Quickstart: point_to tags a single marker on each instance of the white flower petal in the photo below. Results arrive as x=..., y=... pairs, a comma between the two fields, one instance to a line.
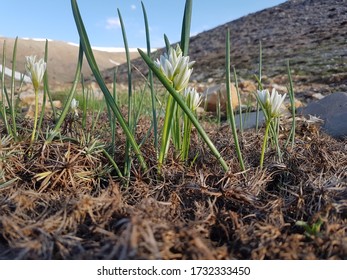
x=175, y=67
x=36, y=70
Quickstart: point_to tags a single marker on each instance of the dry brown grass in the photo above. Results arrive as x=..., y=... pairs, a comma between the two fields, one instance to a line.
x=67, y=203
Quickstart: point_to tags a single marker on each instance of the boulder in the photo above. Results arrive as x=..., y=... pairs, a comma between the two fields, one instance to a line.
x=248, y=86
x=218, y=93
x=332, y=109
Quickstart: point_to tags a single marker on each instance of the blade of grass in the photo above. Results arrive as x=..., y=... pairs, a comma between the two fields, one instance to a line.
x=218, y=109
x=177, y=97
x=46, y=89
x=131, y=122
x=176, y=128
x=4, y=92
x=150, y=78
x=94, y=67
x=66, y=107
x=167, y=43
x=114, y=164
x=185, y=34
x=259, y=82
x=292, y=104
x=113, y=120
x=239, y=99
x=139, y=104
x=85, y=96
x=229, y=103
x=166, y=131
x=45, y=80
x=13, y=105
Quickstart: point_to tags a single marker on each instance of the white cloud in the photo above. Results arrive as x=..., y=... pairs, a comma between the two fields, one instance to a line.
x=133, y=7
x=112, y=23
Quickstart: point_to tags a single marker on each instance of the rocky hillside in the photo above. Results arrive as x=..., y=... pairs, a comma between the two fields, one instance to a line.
x=312, y=34
x=62, y=58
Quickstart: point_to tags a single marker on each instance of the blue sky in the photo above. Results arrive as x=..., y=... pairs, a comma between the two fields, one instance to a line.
x=54, y=20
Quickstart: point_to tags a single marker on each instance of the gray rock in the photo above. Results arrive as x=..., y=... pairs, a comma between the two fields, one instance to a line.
x=249, y=120
x=333, y=111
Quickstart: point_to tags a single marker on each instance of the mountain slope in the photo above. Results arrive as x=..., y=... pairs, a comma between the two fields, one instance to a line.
x=311, y=34
x=62, y=58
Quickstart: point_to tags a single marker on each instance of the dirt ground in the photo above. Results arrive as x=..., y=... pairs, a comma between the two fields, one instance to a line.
x=64, y=200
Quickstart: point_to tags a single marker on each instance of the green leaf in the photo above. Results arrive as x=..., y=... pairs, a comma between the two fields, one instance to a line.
x=131, y=122
x=150, y=78
x=12, y=107
x=185, y=34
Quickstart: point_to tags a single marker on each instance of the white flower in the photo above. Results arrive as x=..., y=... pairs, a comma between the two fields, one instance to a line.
x=74, y=105
x=176, y=67
x=192, y=97
x=36, y=70
x=271, y=102
x=276, y=101
x=264, y=96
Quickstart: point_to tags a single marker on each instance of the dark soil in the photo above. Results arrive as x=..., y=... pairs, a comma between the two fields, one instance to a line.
x=66, y=202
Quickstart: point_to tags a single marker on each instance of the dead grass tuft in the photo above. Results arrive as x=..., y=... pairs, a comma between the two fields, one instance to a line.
x=63, y=201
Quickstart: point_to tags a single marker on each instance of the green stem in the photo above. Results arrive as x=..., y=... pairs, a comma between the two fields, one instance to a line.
x=292, y=104
x=45, y=90
x=264, y=143
x=239, y=99
x=131, y=122
x=36, y=115
x=166, y=130
x=4, y=92
x=229, y=104
x=186, y=138
x=176, y=128
x=150, y=78
x=185, y=34
x=12, y=107
x=259, y=82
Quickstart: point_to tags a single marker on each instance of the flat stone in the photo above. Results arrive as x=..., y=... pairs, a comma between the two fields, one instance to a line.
x=332, y=109
x=249, y=120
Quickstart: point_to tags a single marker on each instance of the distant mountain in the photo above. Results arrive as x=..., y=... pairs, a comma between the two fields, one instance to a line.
x=311, y=34
x=62, y=58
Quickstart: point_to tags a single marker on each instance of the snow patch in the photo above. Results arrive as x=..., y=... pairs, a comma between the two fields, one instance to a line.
x=114, y=62
x=111, y=49
x=17, y=75
x=37, y=39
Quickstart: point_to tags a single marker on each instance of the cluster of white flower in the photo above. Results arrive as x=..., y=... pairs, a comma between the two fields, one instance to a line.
x=272, y=102
x=192, y=97
x=35, y=69
x=74, y=106
x=177, y=68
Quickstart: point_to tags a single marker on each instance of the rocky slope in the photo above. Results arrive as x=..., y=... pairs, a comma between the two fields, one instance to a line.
x=311, y=34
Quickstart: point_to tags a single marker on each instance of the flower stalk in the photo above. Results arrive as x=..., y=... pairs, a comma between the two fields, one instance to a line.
x=176, y=68
x=178, y=98
x=36, y=71
x=193, y=100
x=271, y=105
x=266, y=136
